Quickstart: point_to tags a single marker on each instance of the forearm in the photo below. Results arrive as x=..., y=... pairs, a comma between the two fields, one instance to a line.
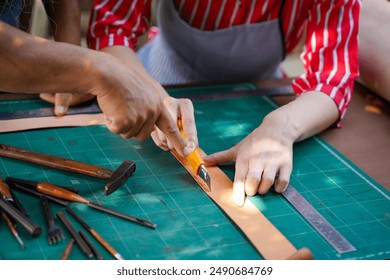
x=308, y=115
x=129, y=58
x=31, y=64
x=65, y=17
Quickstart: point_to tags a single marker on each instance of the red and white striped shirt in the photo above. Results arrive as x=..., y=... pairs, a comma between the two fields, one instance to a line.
x=330, y=55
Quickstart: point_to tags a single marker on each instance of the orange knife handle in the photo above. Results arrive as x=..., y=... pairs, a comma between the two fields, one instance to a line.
x=59, y=192
x=194, y=159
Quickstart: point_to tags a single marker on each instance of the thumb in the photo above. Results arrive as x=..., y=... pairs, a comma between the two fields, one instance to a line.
x=61, y=103
x=169, y=126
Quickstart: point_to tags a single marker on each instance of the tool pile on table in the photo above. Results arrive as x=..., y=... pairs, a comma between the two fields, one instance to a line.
x=16, y=216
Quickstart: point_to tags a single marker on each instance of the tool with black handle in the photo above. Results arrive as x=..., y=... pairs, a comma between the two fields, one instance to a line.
x=6, y=193
x=115, y=178
x=18, y=184
x=21, y=219
x=97, y=236
x=80, y=241
x=88, y=241
x=54, y=233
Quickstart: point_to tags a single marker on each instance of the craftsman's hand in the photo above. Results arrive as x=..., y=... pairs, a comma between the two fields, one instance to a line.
x=141, y=104
x=263, y=159
x=183, y=109
x=133, y=104
x=62, y=101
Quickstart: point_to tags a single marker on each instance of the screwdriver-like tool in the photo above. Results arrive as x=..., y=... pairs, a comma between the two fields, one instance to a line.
x=196, y=161
x=56, y=191
x=97, y=236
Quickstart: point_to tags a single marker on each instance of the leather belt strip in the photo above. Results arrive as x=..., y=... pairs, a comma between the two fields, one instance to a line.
x=46, y=122
x=263, y=235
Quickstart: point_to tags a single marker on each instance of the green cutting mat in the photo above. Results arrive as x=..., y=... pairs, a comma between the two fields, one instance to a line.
x=190, y=225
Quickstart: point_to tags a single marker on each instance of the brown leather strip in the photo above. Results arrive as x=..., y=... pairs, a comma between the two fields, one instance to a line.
x=263, y=235
x=45, y=122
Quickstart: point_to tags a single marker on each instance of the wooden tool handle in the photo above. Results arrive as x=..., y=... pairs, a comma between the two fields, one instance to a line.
x=4, y=189
x=195, y=159
x=55, y=162
x=68, y=249
x=59, y=192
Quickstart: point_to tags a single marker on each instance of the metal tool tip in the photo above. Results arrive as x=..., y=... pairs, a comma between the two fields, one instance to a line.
x=21, y=242
x=204, y=174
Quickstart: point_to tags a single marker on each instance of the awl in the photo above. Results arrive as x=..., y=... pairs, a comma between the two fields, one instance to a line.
x=58, y=192
x=195, y=159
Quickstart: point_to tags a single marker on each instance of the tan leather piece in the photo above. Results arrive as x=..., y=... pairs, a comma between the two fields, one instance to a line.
x=263, y=235
x=45, y=122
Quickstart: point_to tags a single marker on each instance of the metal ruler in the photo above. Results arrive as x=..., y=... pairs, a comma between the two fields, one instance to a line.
x=238, y=93
x=93, y=107
x=318, y=221
x=89, y=107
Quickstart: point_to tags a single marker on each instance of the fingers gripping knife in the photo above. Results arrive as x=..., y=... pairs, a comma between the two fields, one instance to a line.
x=114, y=178
x=196, y=161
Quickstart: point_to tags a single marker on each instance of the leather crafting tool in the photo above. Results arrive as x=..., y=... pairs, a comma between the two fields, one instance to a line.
x=54, y=233
x=28, y=187
x=114, y=178
x=7, y=195
x=33, y=184
x=68, y=249
x=4, y=191
x=97, y=236
x=56, y=191
x=12, y=229
x=68, y=225
x=95, y=251
x=21, y=219
x=195, y=159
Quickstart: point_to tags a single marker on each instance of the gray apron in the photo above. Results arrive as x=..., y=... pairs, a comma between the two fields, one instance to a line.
x=182, y=54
